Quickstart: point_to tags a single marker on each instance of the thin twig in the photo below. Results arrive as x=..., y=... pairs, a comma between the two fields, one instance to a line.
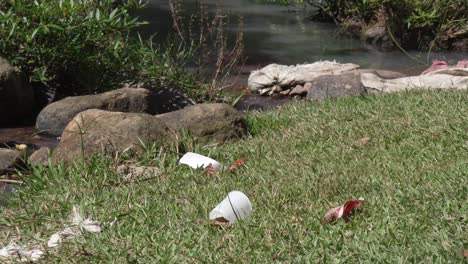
x=11, y=181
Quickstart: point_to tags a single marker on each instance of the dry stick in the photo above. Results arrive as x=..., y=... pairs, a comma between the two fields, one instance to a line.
x=11, y=181
x=175, y=18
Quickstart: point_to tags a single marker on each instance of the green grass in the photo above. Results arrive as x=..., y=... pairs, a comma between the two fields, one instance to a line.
x=301, y=160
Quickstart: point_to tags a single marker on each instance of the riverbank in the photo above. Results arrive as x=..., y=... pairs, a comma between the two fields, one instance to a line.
x=409, y=25
x=405, y=153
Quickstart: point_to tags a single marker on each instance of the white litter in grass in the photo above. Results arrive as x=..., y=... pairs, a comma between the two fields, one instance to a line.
x=196, y=161
x=236, y=206
x=87, y=224
x=60, y=236
x=23, y=254
x=33, y=253
x=79, y=225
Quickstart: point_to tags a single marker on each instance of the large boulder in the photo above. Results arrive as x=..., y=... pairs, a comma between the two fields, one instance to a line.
x=16, y=95
x=53, y=118
x=97, y=131
x=331, y=86
x=209, y=123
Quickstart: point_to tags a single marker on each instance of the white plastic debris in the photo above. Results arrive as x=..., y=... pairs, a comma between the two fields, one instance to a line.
x=236, y=206
x=60, y=236
x=196, y=161
x=23, y=254
x=78, y=226
x=87, y=224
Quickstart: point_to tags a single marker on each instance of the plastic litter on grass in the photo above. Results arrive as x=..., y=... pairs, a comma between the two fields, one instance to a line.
x=342, y=211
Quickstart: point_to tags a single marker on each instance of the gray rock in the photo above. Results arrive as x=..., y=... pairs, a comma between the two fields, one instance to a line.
x=276, y=89
x=97, y=131
x=131, y=171
x=40, y=157
x=53, y=118
x=208, y=123
x=8, y=159
x=461, y=45
x=298, y=90
x=376, y=34
x=336, y=86
x=384, y=74
x=285, y=92
x=16, y=95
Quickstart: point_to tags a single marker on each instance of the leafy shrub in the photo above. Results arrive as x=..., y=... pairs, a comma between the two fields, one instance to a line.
x=82, y=46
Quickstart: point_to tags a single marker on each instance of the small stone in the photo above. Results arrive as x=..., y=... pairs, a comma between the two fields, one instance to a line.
x=8, y=159
x=285, y=92
x=270, y=93
x=298, y=90
x=276, y=89
x=308, y=85
x=264, y=91
x=40, y=157
x=129, y=172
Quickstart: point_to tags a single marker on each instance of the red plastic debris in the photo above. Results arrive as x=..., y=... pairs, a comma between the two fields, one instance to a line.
x=237, y=163
x=438, y=65
x=341, y=211
x=209, y=169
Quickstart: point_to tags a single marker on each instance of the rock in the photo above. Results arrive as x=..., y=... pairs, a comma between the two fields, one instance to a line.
x=285, y=92
x=384, y=74
x=16, y=95
x=276, y=89
x=353, y=27
x=209, y=123
x=256, y=102
x=40, y=157
x=377, y=35
x=307, y=85
x=97, y=131
x=298, y=90
x=264, y=91
x=8, y=159
x=460, y=45
x=270, y=93
x=289, y=76
x=130, y=172
x=53, y=118
x=336, y=86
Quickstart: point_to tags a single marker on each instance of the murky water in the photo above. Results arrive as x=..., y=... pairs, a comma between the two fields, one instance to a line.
x=25, y=135
x=274, y=34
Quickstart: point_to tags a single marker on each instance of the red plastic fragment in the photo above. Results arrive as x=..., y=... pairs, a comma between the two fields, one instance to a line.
x=237, y=163
x=341, y=211
x=209, y=169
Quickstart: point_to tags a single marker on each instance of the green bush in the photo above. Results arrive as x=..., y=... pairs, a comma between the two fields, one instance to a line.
x=81, y=46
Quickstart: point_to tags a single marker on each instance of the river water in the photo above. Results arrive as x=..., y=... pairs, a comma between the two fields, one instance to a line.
x=277, y=34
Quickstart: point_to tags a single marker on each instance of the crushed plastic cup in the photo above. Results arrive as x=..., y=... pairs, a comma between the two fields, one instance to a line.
x=236, y=206
x=196, y=161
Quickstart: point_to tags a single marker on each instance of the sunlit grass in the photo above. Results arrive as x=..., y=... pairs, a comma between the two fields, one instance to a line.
x=301, y=160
